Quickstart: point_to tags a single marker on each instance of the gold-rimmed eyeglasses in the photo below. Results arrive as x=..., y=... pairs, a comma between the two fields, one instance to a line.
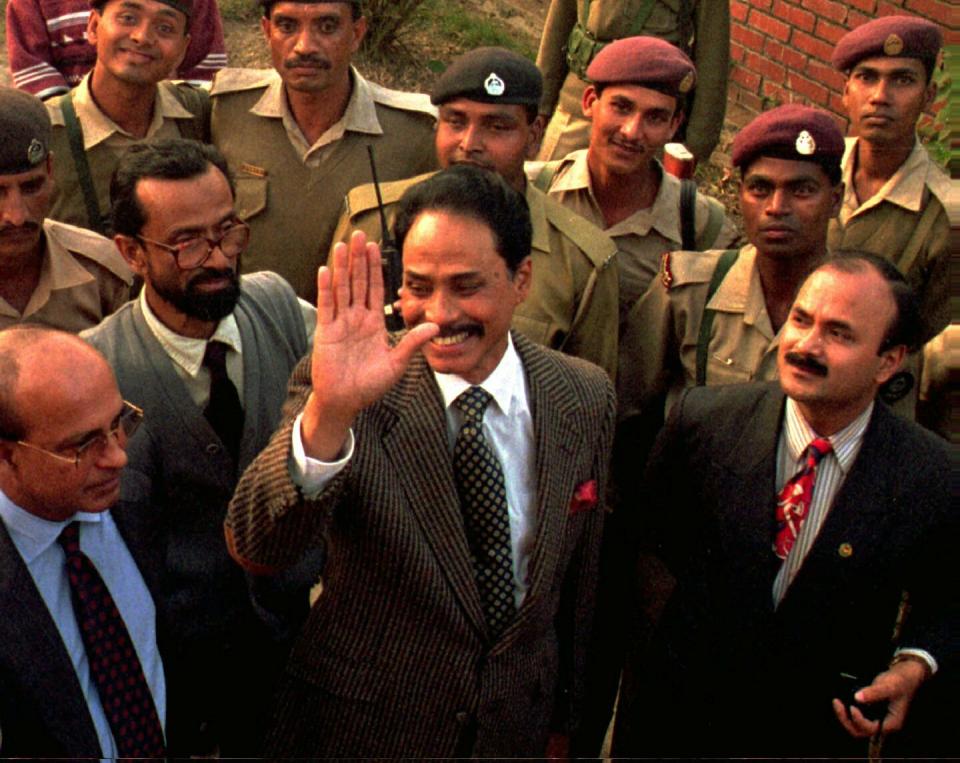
x=193, y=252
x=91, y=450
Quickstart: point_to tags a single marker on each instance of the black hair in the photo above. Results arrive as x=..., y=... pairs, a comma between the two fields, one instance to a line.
x=477, y=193
x=173, y=159
x=98, y=6
x=906, y=326
x=356, y=11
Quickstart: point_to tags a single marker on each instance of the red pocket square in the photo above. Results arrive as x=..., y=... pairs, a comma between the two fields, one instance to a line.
x=584, y=497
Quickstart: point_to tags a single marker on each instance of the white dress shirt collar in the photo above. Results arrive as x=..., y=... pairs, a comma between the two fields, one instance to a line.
x=185, y=351
x=846, y=442
x=505, y=383
x=32, y=535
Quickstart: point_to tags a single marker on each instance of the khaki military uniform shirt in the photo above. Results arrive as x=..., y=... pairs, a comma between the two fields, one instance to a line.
x=642, y=238
x=572, y=304
x=664, y=326
x=291, y=193
x=905, y=222
x=82, y=280
x=104, y=142
x=611, y=20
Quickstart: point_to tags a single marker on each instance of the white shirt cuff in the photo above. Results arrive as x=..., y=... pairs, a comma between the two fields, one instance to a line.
x=923, y=655
x=310, y=474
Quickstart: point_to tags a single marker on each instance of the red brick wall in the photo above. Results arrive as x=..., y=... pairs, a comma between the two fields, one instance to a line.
x=780, y=49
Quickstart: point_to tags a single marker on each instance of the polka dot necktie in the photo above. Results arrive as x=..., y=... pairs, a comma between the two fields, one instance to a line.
x=114, y=665
x=483, y=499
x=793, y=503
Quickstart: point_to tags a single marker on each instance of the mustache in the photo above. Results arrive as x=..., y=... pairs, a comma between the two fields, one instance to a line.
x=806, y=363
x=317, y=61
x=25, y=228
x=213, y=274
x=461, y=328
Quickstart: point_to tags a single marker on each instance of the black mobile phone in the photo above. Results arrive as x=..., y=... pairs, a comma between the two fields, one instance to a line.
x=847, y=686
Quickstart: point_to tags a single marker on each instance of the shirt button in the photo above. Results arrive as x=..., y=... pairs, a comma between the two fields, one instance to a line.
x=213, y=448
x=462, y=717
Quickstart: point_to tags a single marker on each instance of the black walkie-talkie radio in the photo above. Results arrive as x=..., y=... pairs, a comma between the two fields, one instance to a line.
x=389, y=257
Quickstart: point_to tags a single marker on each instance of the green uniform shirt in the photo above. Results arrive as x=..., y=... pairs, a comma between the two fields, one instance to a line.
x=611, y=20
x=905, y=222
x=572, y=304
x=290, y=193
x=179, y=112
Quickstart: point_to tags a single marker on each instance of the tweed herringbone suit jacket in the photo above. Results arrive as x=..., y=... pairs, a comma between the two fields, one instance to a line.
x=759, y=680
x=395, y=658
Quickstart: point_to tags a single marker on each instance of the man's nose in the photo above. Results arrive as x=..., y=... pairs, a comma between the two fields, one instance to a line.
x=14, y=209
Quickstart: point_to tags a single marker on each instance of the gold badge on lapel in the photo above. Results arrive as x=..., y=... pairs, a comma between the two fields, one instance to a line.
x=845, y=550
x=893, y=45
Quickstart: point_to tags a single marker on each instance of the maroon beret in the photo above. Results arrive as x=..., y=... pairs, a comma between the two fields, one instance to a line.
x=647, y=61
x=184, y=6
x=793, y=131
x=896, y=36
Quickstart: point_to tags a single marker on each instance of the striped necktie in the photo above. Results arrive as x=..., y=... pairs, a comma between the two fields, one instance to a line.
x=793, y=503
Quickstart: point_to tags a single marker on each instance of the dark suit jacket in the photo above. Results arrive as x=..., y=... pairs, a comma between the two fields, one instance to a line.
x=727, y=674
x=42, y=708
x=395, y=657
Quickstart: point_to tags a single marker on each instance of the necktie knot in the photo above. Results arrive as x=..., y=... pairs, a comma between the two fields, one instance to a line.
x=69, y=538
x=817, y=450
x=215, y=359
x=472, y=403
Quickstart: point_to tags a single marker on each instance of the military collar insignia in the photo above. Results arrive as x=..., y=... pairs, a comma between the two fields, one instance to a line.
x=805, y=145
x=494, y=86
x=686, y=83
x=35, y=152
x=893, y=45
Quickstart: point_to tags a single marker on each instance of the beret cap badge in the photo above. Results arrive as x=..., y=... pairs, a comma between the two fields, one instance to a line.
x=686, y=83
x=35, y=152
x=893, y=45
x=806, y=145
x=493, y=85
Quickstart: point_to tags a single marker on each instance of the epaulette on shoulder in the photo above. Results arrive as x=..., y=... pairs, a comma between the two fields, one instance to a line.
x=403, y=100
x=55, y=111
x=587, y=237
x=363, y=198
x=681, y=268
x=90, y=245
x=235, y=80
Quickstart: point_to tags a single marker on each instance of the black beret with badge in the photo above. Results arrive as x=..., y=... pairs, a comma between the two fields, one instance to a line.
x=793, y=131
x=645, y=61
x=25, y=127
x=490, y=75
x=890, y=36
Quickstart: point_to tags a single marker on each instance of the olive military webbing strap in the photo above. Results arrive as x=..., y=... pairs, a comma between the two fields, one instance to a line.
x=546, y=175
x=715, y=218
x=197, y=102
x=643, y=14
x=706, y=322
x=583, y=45
x=688, y=214
x=95, y=219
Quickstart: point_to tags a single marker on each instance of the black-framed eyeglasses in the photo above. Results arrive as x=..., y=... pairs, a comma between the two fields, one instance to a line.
x=92, y=450
x=193, y=252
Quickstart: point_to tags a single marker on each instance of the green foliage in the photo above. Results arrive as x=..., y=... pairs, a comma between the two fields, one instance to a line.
x=935, y=131
x=385, y=22
x=468, y=31
x=239, y=10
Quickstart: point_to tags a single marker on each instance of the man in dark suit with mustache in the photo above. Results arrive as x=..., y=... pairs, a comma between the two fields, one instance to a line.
x=807, y=532
x=457, y=480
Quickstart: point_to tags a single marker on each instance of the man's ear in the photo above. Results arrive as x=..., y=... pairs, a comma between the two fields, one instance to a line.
x=93, y=21
x=535, y=137
x=132, y=252
x=590, y=97
x=265, y=28
x=930, y=95
x=359, y=32
x=837, y=199
x=522, y=277
x=890, y=362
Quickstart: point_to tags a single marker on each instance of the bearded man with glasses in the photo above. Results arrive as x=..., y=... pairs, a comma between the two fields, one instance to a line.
x=64, y=546
x=206, y=353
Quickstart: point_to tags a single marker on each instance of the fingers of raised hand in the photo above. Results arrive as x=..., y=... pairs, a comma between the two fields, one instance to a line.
x=853, y=721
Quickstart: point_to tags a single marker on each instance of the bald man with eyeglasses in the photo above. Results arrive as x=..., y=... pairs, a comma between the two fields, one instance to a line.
x=206, y=353
x=64, y=429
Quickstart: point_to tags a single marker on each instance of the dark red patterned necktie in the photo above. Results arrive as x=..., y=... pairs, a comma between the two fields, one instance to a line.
x=793, y=503
x=114, y=664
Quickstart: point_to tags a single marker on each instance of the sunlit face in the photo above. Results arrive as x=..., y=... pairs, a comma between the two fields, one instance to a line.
x=67, y=407
x=453, y=276
x=828, y=357
x=630, y=124
x=175, y=211
x=311, y=44
x=885, y=97
x=24, y=203
x=139, y=42
x=496, y=137
x=787, y=206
